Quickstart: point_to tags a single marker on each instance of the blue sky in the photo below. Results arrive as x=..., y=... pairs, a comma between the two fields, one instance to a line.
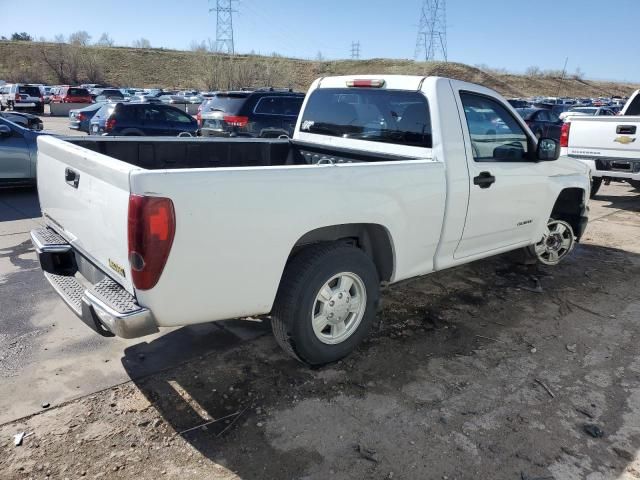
x=598, y=36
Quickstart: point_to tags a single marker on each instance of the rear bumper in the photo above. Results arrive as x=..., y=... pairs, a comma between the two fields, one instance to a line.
x=105, y=306
x=623, y=169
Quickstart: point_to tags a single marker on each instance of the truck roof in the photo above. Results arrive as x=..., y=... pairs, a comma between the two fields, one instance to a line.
x=393, y=82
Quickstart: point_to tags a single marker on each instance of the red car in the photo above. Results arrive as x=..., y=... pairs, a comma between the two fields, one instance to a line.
x=72, y=95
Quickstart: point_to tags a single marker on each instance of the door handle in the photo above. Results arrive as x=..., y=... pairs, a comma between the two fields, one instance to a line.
x=71, y=177
x=484, y=180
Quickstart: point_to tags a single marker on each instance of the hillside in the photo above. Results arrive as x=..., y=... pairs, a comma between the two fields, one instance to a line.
x=56, y=64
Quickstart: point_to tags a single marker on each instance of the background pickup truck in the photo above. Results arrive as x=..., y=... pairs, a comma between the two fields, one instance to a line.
x=386, y=178
x=608, y=145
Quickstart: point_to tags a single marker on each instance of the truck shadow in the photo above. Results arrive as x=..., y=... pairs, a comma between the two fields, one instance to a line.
x=619, y=196
x=19, y=204
x=451, y=352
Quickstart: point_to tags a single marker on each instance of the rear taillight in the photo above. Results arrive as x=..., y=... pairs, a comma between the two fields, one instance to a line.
x=81, y=116
x=17, y=97
x=236, y=121
x=199, y=119
x=564, y=134
x=151, y=228
x=110, y=124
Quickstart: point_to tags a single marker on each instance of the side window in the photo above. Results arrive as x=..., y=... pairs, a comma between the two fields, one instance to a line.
x=153, y=114
x=269, y=106
x=496, y=136
x=543, y=116
x=175, y=116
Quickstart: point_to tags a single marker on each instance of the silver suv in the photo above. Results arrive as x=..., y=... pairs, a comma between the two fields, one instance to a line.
x=20, y=96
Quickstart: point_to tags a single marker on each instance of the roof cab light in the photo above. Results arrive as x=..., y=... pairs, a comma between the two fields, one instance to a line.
x=366, y=83
x=151, y=228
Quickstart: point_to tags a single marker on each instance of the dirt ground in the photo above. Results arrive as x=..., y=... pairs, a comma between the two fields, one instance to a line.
x=488, y=371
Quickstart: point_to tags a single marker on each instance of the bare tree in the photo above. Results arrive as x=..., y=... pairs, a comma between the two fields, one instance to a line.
x=105, y=40
x=64, y=62
x=141, y=43
x=197, y=46
x=578, y=74
x=80, y=38
x=93, y=71
x=319, y=57
x=533, y=72
x=60, y=38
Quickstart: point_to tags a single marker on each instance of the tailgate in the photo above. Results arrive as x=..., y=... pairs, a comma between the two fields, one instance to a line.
x=84, y=196
x=611, y=138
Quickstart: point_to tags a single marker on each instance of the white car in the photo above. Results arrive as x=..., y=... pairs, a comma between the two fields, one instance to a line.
x=587, y=112
x=384, y=179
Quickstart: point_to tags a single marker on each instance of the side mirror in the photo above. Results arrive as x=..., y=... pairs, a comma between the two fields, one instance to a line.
x=5, y=132
x=548, y=150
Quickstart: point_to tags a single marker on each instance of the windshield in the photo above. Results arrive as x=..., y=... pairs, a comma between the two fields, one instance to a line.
x=389, y=116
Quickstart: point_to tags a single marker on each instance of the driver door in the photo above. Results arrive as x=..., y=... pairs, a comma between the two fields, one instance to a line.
x=15, y=162
x=506, y=188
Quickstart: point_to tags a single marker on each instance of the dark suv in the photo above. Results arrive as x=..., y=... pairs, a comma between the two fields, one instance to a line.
x=266, y=113
x=142, y=119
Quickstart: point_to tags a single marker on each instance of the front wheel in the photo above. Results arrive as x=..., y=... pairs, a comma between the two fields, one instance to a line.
x=326, y=303
x=557, y=242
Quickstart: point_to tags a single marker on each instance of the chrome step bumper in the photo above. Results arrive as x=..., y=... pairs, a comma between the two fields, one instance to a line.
x=106, y=307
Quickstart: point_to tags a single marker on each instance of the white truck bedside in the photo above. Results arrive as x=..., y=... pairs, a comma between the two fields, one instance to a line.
x=386, y=178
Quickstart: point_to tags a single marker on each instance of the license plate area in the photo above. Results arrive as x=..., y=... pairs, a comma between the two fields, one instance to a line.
x=621, y=166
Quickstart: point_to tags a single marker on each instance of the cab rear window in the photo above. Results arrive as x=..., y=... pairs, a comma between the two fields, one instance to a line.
x=376, y=115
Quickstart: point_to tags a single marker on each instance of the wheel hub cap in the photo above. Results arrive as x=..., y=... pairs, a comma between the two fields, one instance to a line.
x=557, y=243
x=339, y=308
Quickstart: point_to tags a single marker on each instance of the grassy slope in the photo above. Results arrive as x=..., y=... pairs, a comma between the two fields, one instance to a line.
x=172, y=68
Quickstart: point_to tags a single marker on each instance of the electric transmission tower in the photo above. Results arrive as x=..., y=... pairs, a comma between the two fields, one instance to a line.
x=224, y=25
x=355, y=50
x=432, y=31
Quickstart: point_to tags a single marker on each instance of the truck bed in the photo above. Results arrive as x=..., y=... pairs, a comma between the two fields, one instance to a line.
x=188, y=153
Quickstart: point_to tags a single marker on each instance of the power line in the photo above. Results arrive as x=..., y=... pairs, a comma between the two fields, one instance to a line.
x=355, y=50
x=431, y=43
x=224, y=25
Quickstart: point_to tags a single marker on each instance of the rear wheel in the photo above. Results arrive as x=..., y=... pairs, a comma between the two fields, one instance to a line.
x=596, y=183
x=326, y=303
x=557, y=242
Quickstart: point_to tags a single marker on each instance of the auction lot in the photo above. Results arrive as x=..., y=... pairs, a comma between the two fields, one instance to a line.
x=493, y=370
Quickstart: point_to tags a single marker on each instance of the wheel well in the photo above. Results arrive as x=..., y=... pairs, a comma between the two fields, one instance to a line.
x=569, y=207
x=372, y=238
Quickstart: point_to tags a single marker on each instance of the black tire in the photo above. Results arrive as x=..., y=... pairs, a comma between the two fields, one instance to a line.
x=302, y=280
x=1, y=107
x=635, y=184
x=10, y=106
x=596, y=183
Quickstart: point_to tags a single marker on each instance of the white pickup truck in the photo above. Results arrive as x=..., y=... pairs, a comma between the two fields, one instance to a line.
x=385, y=178
x=607, y=145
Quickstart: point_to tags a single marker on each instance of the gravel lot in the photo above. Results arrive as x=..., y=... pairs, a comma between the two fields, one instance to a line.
x=488, y=371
